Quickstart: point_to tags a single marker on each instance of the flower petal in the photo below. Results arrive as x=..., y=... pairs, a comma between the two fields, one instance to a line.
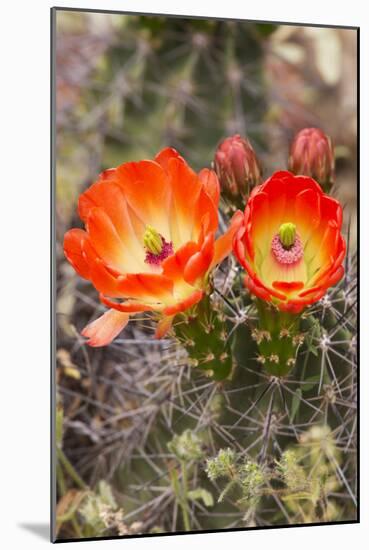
x=191, y=300
x=173, y=266
x=73, y=241
x=223, y=245
x=103, y=330
x=151, y=288
x=260, y=224
x=103, y=280
x=186, y=191
x=259, y=291
x=146, y=188
x=163, y=326
x=288, y=286
x=331, y=210
x=205, y=214
x=109, y=196
x=284, y=180
x=129, y=306
x=307, y=214
x=165, y=155
x=106, y=241
x=211, y=185
x=199, y=263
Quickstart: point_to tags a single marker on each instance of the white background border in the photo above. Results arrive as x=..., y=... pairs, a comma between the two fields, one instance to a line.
x=25, y=243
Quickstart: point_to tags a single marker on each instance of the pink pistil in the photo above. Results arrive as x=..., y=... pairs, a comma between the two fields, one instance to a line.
x=289, y=255
x=156, y=259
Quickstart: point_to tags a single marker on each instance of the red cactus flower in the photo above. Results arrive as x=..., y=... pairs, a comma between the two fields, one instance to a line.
x=149, y=242
x=237, y=167
x=290, y=242
x=311, y=154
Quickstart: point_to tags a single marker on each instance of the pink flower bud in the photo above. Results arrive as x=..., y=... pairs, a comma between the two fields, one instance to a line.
x=312, y=155
x=237, y=167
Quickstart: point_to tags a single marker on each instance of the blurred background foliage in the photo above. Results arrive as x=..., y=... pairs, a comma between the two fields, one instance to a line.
x=125, y=87
x=129, y=85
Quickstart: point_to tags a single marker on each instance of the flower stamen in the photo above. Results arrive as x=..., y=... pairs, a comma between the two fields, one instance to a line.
x=287, y=234
x=152, y=240
x=286, y=245
x=157, y=248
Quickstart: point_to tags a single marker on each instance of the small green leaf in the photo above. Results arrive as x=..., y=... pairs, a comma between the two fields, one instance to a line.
x=265, y=29
x=106, y=494
x=297, y=496
x=313, y=349
x=310, y=383
x=295, y=403
x=201, y=494
x=59, y=425
x=226, y=490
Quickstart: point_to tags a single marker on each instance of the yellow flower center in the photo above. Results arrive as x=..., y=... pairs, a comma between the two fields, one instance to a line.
x=152, y=240
x=287, y=234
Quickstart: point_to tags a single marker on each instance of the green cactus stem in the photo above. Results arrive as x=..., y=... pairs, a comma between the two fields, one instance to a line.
x=202, y=332
x=278, y=338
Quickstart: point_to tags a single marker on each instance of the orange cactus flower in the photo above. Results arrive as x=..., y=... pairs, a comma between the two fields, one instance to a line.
x=149, y=242
x=290, y=242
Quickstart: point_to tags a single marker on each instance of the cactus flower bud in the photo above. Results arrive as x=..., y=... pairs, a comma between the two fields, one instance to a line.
x=312, y=155
x=237, y=167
